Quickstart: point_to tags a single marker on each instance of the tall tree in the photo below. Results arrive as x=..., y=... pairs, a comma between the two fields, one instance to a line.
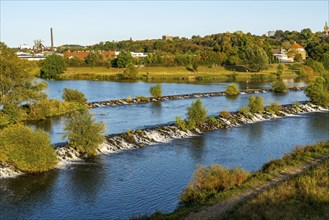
x=18, y=85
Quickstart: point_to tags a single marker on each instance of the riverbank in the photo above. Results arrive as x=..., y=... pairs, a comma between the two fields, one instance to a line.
x=143, y=99
x=270, y=184
x=183, y=74
x=141, y=138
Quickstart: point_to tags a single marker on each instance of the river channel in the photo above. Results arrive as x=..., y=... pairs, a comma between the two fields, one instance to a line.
x=119, y=119
x=106, y=90
x=144, y=180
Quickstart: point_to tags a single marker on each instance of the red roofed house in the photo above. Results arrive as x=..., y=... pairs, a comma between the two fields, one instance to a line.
x=297, y=49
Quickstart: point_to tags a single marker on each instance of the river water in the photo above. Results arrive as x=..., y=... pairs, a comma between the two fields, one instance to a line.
x=106, y=90
x=121, y=118
x=144, y=180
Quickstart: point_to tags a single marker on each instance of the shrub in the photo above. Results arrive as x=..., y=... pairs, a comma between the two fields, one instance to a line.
x=52, y=66
x=130, y=72
x=317, y=91
x=213, y=120
x=225, y=114
x=84, y=133
x=47, y=108
x=129, y=99
x=275, y=108
x=255, y=104
x=181, y=124
x=207, y=181
x=29, y=151
x=278, y=86
x=196, y=114
x=156, y=91
x=143, y=98
x=244, y=112
x=232, y=90
x=74, y=95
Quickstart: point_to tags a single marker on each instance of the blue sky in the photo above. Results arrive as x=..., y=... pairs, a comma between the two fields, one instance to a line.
x=89, y=22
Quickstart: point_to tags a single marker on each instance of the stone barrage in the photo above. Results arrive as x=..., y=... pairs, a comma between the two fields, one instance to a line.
x=176, y=97
x=160, y=134
x=8, y=171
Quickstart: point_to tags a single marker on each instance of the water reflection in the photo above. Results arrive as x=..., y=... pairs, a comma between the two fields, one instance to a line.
x=23, y=193
x=87, y=177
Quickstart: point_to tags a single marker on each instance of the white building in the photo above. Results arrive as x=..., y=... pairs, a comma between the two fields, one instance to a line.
x=283, y=57
x=25, y=46
x=138, y=55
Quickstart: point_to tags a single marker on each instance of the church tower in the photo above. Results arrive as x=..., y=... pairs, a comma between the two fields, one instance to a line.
x=326, y=29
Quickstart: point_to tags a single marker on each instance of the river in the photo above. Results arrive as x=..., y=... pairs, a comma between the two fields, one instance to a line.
x=144, y=180
x=121, y=118
x=107, y=90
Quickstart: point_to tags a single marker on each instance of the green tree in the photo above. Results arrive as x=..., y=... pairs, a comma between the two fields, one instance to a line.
x=318, y=91
x=84, y=133
x=130, y=72
x=278, y=86
x=255, y=104
x=124, y=58
x=29, y=151
x=74, y=95
x=52, y=66
x=196, y=114
x=298, y=57
x=17, y=84
x=279, y=69
x=93, y=58
x=325, y=61
x=232, y=90
x=156, y=91
x=256, y=59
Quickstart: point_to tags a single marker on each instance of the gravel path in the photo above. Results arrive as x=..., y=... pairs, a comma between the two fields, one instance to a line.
x=220, y=208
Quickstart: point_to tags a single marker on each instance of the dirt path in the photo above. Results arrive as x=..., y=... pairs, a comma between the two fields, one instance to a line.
x=220, y=208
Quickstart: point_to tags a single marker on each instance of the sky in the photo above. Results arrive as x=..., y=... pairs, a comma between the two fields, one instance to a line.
x=90, y=22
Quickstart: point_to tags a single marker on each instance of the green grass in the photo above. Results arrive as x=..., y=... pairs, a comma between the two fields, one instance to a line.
x=174, y=73
x=303, y=197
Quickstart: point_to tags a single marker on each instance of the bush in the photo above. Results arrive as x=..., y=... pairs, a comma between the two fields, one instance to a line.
x=278, y=86
x=244, y=112
x=275, y=108
x=232, y=90
x=181, y=124
x=130, y=72
x=29, y=151
x=74, y=95
x=317, y=91
x=143, y=98
x=225, y=114
x=84, y=133
x=255, y=104
x=156, y=91
x=48, y=108
x=207, y=181
x=52, y=66
x=196, y=114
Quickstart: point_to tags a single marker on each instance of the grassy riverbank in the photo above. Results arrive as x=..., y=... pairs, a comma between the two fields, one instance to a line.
x=270, y=172
x=218, y=74
x=303, y=197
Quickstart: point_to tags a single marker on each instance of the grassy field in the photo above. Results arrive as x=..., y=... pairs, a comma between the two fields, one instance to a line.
x=303, y=197
x=174, y=73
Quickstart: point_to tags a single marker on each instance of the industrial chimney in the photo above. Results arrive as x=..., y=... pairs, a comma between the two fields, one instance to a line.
x=52, y=39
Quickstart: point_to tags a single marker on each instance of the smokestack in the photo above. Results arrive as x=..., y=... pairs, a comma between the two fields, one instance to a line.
x=52, y=39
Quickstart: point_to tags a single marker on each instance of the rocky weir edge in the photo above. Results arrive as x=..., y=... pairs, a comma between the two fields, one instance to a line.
x=164, y=133
x=142, y=99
